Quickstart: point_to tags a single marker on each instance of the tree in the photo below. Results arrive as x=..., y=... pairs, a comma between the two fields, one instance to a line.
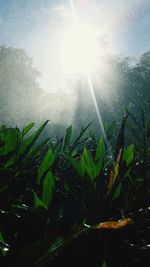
x=140, y=81
x=122, y=83
x=19, y=89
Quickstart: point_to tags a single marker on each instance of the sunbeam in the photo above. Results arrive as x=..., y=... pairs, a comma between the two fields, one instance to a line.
x=96, y=106
x=82, y=47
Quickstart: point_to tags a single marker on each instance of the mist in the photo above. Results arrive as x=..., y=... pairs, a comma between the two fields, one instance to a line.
x=40, y=78
x=114, y=85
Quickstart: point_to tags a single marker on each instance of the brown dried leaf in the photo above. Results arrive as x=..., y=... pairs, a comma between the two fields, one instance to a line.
x=113, y=225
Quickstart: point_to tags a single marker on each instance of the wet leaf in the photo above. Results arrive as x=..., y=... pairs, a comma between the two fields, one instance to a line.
x=83, y=130
x=38, y=202
x=128, y=155
x=30, y=141
x=90, y=165
x=117, y=191
x=46, y=164
x=79, y=167
x=100, y=151
x=10, y=138
x=27, y=128
x=48, y=188
x=4, y=247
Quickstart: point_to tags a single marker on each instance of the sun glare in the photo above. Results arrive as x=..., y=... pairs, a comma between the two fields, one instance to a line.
x=79, y=49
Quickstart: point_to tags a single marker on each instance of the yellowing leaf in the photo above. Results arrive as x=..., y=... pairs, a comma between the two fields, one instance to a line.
x=115, y=171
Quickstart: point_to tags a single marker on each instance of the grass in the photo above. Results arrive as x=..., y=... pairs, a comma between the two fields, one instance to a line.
x=75, y=201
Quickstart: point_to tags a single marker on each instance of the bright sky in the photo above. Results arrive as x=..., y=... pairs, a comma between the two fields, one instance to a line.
x=38, y=26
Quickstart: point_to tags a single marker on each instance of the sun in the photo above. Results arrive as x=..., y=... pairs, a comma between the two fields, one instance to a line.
x=79, y=49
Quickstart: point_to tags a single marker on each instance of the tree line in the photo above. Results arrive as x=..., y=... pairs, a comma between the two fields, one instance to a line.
x=127, y=84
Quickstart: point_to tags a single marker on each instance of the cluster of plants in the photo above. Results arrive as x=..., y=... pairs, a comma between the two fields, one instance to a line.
x=80, y=200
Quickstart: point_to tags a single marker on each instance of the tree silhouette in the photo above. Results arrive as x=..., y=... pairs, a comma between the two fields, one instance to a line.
x=18, y=86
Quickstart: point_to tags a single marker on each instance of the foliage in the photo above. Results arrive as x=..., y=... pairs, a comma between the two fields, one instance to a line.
x=78, y=194
x=122, y=82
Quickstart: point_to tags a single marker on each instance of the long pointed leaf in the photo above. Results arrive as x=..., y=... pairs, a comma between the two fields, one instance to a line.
x=29, y=142
x=27, y=128
x=83, y=130
x=90, y=165
x=48, y=188
x=100, y=151
x=46, y=164
x=38, y=202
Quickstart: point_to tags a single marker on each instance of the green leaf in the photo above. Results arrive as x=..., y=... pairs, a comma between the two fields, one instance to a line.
x=10, y=138
x=90, y=165
x=128, y=154
x=128, y=172
x=110, y=129
x=48, y=188
x=36, y=150
x=29, y=142
x=82, y=167
x=67, y=138
x=4, y=248
x=57, y=150
x=83, y=130
x=117, y=191
x=61, y=242
x=46, y=164
x=10, y=162
x=1, y=237
x=77, y=166
x=38, y=202
x=100, y=151
x=27, y=128
x=74, y=153
x=99, y=166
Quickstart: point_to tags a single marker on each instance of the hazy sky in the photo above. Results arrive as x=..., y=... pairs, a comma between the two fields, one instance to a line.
x=38, y=27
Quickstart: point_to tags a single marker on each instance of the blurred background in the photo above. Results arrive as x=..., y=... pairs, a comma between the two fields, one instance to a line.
x=73, y=62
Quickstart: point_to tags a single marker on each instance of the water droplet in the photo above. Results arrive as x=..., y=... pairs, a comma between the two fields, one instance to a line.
x=5, y=249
